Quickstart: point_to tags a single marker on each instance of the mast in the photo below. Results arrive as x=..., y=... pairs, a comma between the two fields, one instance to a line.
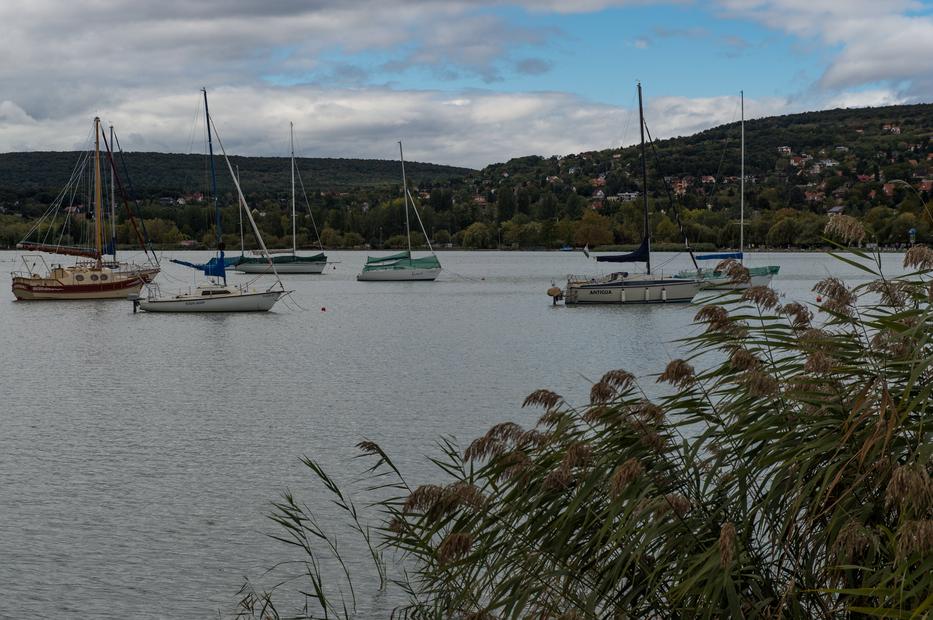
x=405, y=192
x=742, y=185
x=98, y=207
x=239, y=212
x=291, y=135
x=113, y=200
x=210, y=150
x=644, y=178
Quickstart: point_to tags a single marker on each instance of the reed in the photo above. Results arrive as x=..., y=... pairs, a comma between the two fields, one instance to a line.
x=791, y=480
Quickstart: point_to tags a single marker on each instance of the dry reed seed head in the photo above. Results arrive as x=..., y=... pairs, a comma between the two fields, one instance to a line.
x=601, y=392
x=368, y=447
x=715, y=317
x=743, y=359
x=853, y=540
x=726, y=544
x=672, y=502
x=914, y=536
x=423, y=498
x=619, y=379
x=542, y=398
x=919, y=257
x=818, y=363
x=893, y=292
x=910, y=489
x=736, y=271
x=552, y=417
x=845, y=228
x=396, y=525
x=482, y=448
x=763, y=296
x=839, y=298
x=759, y=383
x=624, y=475
x=465, y=494
x=454, y=546
x=652, y=440
x=579, y=454
x=514, y=465
x=532, y=438
x=678, y=373
x=649, y=413
x=601, y=413
x=798, y=314
x=571, y=615
x=558, y=479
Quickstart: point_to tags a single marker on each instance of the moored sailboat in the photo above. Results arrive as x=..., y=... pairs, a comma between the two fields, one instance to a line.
x=718, y=280
x=91, y=278
x=286, y=261
x=216, y=295
x=402, y=267
x=630, y=288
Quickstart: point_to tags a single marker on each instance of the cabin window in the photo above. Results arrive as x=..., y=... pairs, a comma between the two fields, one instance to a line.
x=93, y=276
x=103, y=276
x=79, y=278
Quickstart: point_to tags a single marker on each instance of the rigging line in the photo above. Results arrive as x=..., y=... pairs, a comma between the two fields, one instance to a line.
x=132, y=192
x=308, y=205
x=670, y=197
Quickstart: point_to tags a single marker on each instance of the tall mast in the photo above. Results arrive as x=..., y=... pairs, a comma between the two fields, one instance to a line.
x=644, y=178
x=240, y=211
x=113, y=200
x=98, y=207
x=405, y=192
x=742, y=184
x=291, y=135
x=210, y=150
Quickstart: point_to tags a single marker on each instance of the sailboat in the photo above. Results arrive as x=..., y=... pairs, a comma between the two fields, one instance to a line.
x=714, y=279
x=402, y=266
x=630, y=288
x=94, y=277
x=216, y=295
x=287, y=261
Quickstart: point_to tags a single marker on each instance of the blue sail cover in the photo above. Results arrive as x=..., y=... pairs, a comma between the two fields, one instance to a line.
x=736, y=255
x=638, y=256
x=214, y=267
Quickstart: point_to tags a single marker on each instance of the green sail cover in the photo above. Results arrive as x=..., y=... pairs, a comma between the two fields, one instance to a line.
x=284, y=259
x=402, y=260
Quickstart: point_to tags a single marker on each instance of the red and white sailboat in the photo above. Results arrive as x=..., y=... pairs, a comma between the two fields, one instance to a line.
x=91, y=277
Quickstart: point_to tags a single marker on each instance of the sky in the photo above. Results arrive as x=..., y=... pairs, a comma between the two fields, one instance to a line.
x=461, y=82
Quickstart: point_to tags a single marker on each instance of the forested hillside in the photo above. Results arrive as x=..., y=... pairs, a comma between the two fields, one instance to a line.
x=872, y=163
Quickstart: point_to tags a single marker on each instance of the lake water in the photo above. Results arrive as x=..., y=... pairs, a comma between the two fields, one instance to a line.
x=139, y=453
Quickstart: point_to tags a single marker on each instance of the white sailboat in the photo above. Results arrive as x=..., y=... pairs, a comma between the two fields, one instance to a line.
x=286, y=261
x=402, y=267
x=757, y=276
x=216, y=295
x=630, y=288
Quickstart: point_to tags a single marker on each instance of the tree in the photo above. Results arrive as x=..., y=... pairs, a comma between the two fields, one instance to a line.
x=593, y=230
x=505, y=204
x=784, y=232
x=478, y=235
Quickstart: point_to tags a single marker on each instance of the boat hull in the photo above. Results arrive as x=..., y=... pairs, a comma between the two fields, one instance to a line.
x=282, y=268
x=37, y=288
x=399, y=275
x=631, y=291
x=717, y=281
x=243, y=302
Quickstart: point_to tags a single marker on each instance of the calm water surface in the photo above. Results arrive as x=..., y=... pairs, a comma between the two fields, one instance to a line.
x=139, y=453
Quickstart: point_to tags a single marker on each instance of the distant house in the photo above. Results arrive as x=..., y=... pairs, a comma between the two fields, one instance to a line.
x=706, y=179
x=617, y=155
x=799, y=161
x=680, y=186
x=829, y=163
x=816, y=168
x=479, y=200
x=837, y=210
x=865, y=178
x=811, y=196
x=784, y=150
x=165, y=200
x=891, y=129
x=888, y=189
x=599, y=181
x=628, y=196
x=599, y=195
x=188, y=243
x=859, y=130
x=842, y=149
x=926, y=185
x=553, y=179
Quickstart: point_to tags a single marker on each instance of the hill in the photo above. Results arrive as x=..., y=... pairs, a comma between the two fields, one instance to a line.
x=873, y=163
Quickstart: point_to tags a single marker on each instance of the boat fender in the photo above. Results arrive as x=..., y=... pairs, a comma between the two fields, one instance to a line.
x=554, y=291
x=323, y=309
x=663, y=294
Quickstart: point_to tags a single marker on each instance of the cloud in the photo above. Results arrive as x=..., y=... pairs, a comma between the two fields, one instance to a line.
x=878, y=42
x=533, y=66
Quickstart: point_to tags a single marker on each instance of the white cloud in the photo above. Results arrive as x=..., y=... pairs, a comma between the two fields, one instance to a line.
x=881, y=42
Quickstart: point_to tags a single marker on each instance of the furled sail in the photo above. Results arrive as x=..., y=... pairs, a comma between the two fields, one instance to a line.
x=214, y=267
x=638, y=256
x=67, y=250
x=722, y=256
